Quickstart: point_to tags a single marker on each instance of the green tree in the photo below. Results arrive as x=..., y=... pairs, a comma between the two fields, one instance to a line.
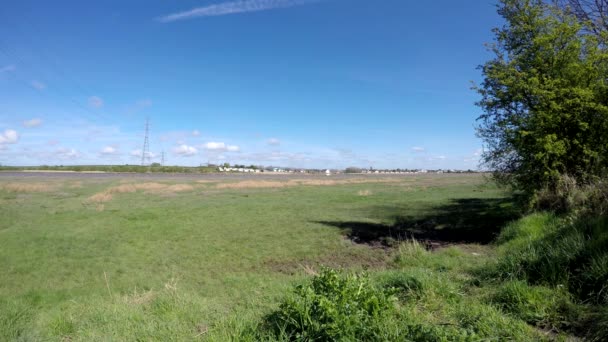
x=544, y=98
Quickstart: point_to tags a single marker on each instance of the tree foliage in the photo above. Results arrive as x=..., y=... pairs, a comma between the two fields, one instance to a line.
x=544, y=97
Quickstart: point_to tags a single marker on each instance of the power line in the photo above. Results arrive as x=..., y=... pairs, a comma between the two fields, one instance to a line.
x=11, y=54
x=52, y=66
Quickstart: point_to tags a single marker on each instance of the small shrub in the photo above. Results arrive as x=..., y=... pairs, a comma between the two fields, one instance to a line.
x=334, y=306
x=568, y=196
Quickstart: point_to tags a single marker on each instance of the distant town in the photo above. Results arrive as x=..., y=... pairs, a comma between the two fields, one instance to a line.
x=348, y=170
x=225, y=168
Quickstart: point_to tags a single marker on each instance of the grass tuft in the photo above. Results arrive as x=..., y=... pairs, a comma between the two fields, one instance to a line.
x=540, y=306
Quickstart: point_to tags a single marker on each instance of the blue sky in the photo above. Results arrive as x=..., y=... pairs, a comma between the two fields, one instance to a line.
x=300, y=83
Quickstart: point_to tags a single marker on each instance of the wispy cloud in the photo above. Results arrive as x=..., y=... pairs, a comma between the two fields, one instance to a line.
x=67, y=153
x=32, y=123
x=418, y=149
x=137, y=154
x=109, y=151
x=233, y=7
x=7, y=68
x=38, y=85
x=273, y=142
x=185, y=150
x=220, y=147
x=95, y=102
x=136, y=107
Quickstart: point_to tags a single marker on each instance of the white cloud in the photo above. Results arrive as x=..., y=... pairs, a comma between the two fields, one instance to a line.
x=9, y=136
x=220, y=147
x=233, y=7
x=7, y=68
x=185, y=150
x=137, y=154
x=32, y=123
x=67, y=153
x=95, y=102
x=418, y=149
x=274, y=142
x=38, y=85
x=196, y=133
x=109, y=150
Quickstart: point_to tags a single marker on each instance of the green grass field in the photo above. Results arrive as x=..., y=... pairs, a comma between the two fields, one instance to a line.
x=186, y=259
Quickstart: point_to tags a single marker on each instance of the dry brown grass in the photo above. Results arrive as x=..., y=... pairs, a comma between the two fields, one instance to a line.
x=28, y=187
x=179, y=188
x=205, y=181
x=122, y=189
x=139, y=298
x=326, y=182
x=151, y=187
x=364, y=193
x=318, y=182
x=148, y=188
x=100, y=197
x=75, y=185
x=254, y=184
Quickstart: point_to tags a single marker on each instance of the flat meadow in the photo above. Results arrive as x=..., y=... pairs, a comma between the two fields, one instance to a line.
x=146, y=257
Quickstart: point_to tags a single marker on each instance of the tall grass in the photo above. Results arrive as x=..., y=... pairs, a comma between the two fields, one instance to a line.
x=553, y=272
x=546, y=250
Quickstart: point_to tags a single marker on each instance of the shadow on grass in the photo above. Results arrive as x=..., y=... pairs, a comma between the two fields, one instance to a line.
x=470, y=220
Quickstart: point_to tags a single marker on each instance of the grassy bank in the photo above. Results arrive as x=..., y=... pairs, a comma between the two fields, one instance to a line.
x=101, y=259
